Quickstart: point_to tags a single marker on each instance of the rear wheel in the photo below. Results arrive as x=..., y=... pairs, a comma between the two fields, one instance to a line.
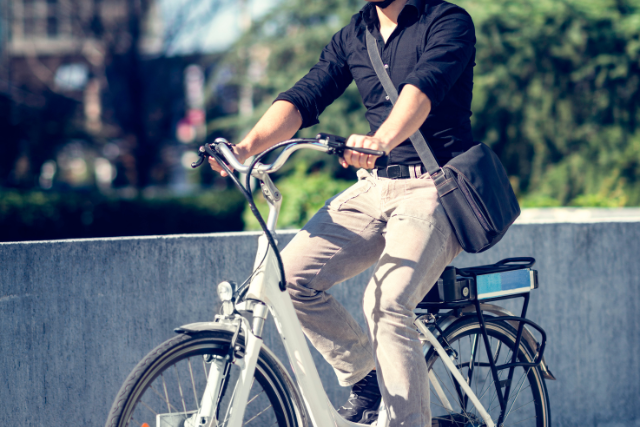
x=528, y=403
x=166, y=388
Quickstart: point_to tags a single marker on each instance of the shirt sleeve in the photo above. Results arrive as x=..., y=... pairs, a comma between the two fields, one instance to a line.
x=323, y=84
x=449, y=46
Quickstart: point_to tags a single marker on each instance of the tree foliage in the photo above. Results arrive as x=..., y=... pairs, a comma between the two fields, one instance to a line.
x=557, y=95
x=557, y=90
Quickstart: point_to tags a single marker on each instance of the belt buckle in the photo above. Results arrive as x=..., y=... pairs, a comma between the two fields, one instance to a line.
x=394, y=171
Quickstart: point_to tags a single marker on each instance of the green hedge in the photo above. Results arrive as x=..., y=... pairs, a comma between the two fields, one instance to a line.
x=45, y=216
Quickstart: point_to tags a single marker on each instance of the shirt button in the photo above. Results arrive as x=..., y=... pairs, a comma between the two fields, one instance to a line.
x=386, y=97
x=386, y=65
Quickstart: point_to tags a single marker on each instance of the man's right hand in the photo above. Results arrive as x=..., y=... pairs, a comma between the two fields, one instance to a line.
x=241, y=155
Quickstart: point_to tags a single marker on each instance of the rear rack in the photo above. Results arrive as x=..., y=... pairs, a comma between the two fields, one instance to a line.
x=510, y=278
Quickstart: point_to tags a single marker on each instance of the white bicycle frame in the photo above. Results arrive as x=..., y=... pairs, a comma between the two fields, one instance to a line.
x=264, y=290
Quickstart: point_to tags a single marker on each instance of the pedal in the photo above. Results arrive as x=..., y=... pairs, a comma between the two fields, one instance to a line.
x=369, y=417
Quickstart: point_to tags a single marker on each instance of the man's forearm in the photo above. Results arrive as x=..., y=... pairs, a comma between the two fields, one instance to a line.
x=281, y=121
x=408, y=114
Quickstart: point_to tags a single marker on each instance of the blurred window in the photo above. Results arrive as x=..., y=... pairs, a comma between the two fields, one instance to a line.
x=30, y=26
x=71, y=76
x=52, y=18
x=52, y=26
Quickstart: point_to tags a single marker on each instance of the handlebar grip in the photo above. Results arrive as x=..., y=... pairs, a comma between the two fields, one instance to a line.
x=366, y=151
x=339, y=143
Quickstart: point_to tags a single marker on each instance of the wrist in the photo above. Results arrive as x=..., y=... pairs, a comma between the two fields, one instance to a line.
x=242, y=152
x=386, y=141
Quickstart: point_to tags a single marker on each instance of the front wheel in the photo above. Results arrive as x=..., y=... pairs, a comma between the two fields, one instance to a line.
x=528, y=404
x=165, y=389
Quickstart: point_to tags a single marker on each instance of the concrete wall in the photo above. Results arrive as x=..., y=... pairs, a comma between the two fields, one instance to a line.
x=76, y=316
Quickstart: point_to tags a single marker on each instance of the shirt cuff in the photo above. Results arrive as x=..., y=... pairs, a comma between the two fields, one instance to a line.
x=424, y=87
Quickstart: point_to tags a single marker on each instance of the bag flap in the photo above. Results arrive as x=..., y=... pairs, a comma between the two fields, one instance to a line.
x=482, y=170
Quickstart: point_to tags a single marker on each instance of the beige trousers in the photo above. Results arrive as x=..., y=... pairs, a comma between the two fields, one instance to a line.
x=400, y=225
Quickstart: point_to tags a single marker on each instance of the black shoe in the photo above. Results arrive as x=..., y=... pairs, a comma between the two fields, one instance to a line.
x=364, y=400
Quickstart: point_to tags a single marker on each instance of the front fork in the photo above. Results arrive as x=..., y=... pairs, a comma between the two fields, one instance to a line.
x=207, y=415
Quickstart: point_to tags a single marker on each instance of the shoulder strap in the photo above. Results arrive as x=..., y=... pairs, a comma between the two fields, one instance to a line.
x=419, y=143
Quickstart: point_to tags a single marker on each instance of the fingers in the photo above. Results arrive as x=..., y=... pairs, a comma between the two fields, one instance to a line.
x=361, y=160
x=216, y=167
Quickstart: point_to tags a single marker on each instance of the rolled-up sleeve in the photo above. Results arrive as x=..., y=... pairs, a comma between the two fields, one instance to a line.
x=449, y=46
x=323, y=84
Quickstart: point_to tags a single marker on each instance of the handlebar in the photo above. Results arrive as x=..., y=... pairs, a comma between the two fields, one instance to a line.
x=220, y=150
x=323, y=142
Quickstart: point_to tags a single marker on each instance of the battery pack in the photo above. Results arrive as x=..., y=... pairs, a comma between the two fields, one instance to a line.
x=512, y=282
x=452, y=287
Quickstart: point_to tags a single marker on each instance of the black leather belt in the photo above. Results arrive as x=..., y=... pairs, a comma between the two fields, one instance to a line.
x=398, y=171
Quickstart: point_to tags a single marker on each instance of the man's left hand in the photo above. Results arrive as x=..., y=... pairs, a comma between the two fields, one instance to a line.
x=360, y=160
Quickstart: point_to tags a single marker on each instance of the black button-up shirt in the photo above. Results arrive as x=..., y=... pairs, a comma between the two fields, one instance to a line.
x=432, y=48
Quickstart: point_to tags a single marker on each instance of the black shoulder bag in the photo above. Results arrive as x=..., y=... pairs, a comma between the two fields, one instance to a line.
x=473, y=187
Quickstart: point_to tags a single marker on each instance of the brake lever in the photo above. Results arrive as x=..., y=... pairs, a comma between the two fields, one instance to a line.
x=202, y=155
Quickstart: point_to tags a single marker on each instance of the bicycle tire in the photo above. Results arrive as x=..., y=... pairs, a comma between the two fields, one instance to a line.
x=528, y=406
x=155, y=386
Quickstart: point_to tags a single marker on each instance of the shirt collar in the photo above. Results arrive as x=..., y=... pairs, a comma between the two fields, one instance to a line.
x=370, y=15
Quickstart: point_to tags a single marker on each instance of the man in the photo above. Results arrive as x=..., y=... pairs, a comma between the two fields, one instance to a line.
x=392, y=215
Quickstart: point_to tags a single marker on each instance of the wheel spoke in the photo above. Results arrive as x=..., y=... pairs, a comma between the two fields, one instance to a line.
x=148, y=407
x=453, y=395
x=193, y=385
x=204, y=366
x=254, y=397
x=437, y=404
x=161, y=397
x=445, y=386
x=518, y=394
x=257, y=415
x=522, y=406
x=184, y=406
x=164, y=384
x=492, y=382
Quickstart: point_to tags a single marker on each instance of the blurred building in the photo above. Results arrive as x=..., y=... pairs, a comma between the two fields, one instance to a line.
x=75, y=80
x=61, y=45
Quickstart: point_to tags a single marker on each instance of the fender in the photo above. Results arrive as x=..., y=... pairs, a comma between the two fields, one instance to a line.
x=497, y=311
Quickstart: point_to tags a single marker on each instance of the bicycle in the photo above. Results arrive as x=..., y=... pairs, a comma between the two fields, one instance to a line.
x=219, y=373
